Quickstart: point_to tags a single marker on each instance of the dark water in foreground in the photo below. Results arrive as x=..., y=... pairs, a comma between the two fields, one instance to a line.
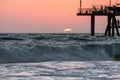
x=59, y=57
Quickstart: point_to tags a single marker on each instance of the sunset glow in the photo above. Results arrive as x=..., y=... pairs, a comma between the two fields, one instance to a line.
x=67, y=30
x=45, y=16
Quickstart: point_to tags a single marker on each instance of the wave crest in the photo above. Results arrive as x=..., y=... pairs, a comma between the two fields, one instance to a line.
x=96, y=52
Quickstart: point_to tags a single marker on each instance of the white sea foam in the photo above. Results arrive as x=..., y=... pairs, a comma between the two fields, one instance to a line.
x=58, y=47
x=61, y=70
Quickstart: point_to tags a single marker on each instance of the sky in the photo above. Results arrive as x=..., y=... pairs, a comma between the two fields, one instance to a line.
x=47, y=16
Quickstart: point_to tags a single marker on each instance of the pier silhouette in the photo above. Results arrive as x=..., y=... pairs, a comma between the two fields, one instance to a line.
x=110, y=11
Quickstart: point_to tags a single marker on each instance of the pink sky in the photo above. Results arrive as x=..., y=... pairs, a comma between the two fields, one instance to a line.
x=46, y=16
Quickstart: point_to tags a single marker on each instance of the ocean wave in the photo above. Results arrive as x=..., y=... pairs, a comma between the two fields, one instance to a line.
x=58, y=47
x=39, y=53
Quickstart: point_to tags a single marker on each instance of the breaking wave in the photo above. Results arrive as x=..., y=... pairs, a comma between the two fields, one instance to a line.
x=58, y=47
x=39, y=53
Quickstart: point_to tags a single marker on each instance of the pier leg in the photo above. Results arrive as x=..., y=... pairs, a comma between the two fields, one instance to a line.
x=117, y=31
x=113, y=32
x=92, y=25
x=109, y=26
x=113, y=26
x=116, y=26
x=108, y=29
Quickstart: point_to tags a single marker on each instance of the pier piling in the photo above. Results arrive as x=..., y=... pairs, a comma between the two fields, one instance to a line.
x=110, y=11
x=92, y=25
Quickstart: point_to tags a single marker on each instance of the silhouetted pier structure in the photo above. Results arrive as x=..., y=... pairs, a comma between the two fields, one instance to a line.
x=110, y=11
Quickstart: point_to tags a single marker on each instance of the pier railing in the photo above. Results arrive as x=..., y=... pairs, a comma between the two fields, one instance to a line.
x=85, y=10
x=94, y=9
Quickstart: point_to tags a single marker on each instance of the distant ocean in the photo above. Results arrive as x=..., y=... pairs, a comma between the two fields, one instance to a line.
x=59, y=56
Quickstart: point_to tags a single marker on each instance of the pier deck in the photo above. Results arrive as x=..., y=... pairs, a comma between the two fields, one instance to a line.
x=113, y=23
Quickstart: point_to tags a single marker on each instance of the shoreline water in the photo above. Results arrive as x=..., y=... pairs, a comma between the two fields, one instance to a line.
x=61, y=70
x=59, y=57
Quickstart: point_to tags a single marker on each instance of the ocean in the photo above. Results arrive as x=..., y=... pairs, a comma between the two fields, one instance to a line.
x=59, y=56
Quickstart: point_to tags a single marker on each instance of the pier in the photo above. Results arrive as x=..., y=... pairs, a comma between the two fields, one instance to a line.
x=111, y=12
